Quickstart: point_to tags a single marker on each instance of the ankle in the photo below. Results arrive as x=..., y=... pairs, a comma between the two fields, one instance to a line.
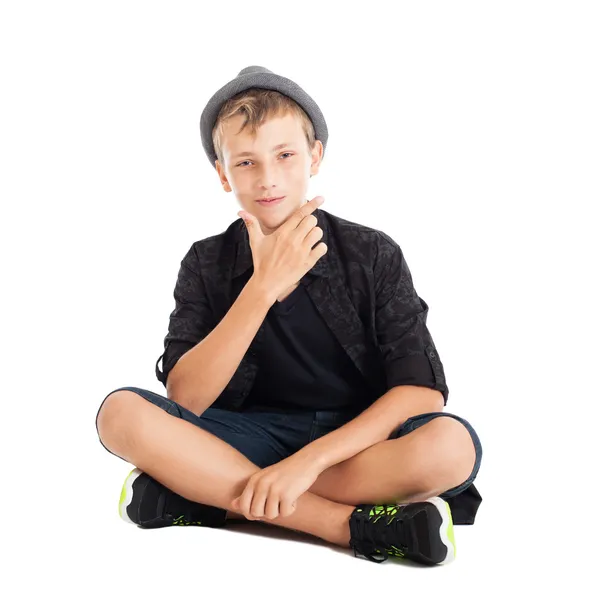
x=344, y=526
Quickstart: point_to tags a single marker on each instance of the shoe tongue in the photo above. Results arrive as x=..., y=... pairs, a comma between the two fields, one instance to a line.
x=388, y=530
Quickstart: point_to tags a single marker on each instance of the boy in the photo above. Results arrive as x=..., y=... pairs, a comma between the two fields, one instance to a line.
x=303, y=388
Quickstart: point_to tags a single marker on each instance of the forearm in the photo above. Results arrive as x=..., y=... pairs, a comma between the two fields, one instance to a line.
x=203, y=372
x=374, y=424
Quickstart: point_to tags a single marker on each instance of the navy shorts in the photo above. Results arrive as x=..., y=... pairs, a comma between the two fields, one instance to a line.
x=267, y=437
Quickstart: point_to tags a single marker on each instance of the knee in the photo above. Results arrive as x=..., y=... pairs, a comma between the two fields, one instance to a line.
x=456, y=445
x=114, y=417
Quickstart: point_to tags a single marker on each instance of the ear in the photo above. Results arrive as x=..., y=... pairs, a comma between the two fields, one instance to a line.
x=222, y=176
x=317, y=156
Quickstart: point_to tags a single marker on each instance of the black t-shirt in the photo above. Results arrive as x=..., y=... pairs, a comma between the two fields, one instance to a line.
x=302, y=365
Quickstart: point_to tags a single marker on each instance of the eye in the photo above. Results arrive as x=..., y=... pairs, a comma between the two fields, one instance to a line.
x=242, y=163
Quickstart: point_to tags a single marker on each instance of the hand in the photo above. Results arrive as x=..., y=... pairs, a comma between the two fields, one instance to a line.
x=282, y=258
x=273, y=491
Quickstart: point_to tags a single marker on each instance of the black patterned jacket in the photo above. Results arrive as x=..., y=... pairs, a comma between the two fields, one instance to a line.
x=362, y=288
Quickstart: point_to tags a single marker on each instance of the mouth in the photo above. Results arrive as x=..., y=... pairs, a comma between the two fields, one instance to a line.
x=270, y=201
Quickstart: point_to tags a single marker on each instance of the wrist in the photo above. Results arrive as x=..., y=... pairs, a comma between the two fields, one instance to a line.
x=315, y=459
x=262, y=292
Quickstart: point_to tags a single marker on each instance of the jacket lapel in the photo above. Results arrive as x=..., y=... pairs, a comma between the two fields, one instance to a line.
x=331, y=299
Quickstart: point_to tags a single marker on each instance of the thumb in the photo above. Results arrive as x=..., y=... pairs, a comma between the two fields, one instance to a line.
x=252, y=225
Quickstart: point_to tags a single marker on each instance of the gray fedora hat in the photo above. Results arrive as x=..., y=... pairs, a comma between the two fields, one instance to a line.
x=258, y=77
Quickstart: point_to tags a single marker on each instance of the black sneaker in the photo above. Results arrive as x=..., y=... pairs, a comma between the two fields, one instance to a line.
x=149, y=504
x=419, y=531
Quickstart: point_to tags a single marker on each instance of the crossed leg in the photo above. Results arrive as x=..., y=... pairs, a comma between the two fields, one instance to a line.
x=428, y=461
x=171, y=450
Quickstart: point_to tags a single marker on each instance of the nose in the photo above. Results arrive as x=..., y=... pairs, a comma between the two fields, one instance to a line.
x=266, y=180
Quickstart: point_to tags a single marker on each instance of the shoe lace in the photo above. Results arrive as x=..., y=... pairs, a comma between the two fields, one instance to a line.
x=380, y=533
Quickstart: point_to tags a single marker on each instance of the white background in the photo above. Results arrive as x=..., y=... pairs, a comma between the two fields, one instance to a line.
x=468, y=131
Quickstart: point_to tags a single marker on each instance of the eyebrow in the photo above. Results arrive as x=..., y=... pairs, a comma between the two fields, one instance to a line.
x=278, y=147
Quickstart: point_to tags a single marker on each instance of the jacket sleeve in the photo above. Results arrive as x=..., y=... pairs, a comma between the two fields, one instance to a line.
x=191, y=320
x=410, y=356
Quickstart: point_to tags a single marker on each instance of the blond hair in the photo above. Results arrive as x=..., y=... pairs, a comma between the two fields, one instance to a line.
x=258, y=105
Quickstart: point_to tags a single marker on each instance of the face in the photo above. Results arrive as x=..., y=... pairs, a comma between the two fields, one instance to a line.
x=276, y=162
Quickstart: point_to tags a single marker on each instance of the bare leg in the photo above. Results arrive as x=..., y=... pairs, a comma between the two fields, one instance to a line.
x=201, y=467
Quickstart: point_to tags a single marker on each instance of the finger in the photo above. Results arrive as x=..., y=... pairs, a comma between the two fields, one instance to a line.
x=309, y=234
x=246, y=500
x=296, y=218
x=259, y=501
x=272, y=506
x=316, y=253
x=286, y=507
x=308, y=225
